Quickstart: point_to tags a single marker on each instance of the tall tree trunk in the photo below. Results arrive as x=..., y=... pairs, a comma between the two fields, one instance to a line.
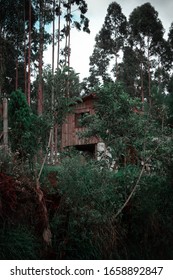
x=5, y=124
x=142, y=84
x=1, y=66
x=18, y=41
x=17, y=66
x=2, y=62
x=40, y=85
x=159, y=74
x=24, y=39
x=141, y=76
x=58, y=60
x=29, y=57
x=67, y=34
x=116, y=65
x=67, y=47
x=52, y=150
x=25, y=71
x=65, y=54
x=56, y=140
x=149, y=75
x=59, y=29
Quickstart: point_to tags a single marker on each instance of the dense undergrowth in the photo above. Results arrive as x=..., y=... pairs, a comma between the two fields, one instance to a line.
x=82, y=201
x=88, y=210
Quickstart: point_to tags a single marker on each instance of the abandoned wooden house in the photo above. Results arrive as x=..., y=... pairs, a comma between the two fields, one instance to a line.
x=72, y=127
x=95, y=146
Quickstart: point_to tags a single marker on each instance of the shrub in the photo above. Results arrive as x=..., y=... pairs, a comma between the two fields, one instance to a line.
x=90, y=197
x=18, y=244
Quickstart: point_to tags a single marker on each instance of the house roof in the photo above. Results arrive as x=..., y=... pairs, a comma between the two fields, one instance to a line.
x=89, y=96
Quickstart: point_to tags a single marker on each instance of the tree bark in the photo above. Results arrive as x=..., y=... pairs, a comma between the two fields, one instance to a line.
x=52, y=151
x=149, y=75
x=2, y=66
x=40, y=85
x=5, y=124
x=67, y=48
x=17, y=74
x=24, y=39
x=58, y=39
x=29, y=58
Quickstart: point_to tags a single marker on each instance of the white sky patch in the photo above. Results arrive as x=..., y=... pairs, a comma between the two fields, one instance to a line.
x=82, y=44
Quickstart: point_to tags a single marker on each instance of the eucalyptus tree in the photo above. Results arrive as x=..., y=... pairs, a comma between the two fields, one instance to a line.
x=170, y=43
x=146, y=37
x=73, y=9
x=65, y=10
x=44, y=18
x=11, y=34
x=109, y=42
x=17, y=25
x=170, y=82
x=60, y=77
x=129, y=71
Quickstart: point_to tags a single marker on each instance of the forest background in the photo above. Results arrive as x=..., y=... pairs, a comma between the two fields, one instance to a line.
x=79, y=208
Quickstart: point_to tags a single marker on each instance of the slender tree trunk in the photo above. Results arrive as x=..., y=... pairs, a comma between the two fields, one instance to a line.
x=67, y=47
x=24, y=39
x=40, y=85
x=2, y=64
x=58, y=39
x=116, y=65
x=142, y=84
x=17, y=66
x=53, y=54
x=56, y=140
x=25, y=72
x=47, y=235
x=58, y=59
x=29, y=57
x=159, y=75
x=17, y=51
x=5, y=124
x=141, y=76
x=52, y=95
x=67, y=34
x=149, y=75
x=65, y=54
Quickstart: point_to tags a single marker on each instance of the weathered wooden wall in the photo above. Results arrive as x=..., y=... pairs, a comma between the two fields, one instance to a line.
x=70, y=130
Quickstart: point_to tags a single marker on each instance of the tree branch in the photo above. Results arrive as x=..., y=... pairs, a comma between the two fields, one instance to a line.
x=136, y=185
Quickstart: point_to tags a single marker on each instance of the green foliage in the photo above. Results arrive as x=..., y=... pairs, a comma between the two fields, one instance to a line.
x=13, y=26
x=109, y=42
x=124, y=127
x=84, y=220
x=18, y=244
x=144, y=22
x=90, y=197
x=115, y=121
x=84, y=226
x=150, y=229
x=26, y=129
x=66, y=83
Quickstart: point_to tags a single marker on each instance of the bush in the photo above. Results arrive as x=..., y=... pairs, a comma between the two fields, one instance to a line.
x=18, y=244
x=90, y=197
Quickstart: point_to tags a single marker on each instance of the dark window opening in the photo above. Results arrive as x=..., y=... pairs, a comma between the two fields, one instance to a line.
x=88, y=149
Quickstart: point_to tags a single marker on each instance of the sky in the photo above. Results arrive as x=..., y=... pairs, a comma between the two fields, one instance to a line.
x=82, y=44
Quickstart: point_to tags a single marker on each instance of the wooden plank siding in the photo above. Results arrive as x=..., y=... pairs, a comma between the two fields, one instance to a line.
x=70, y=129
